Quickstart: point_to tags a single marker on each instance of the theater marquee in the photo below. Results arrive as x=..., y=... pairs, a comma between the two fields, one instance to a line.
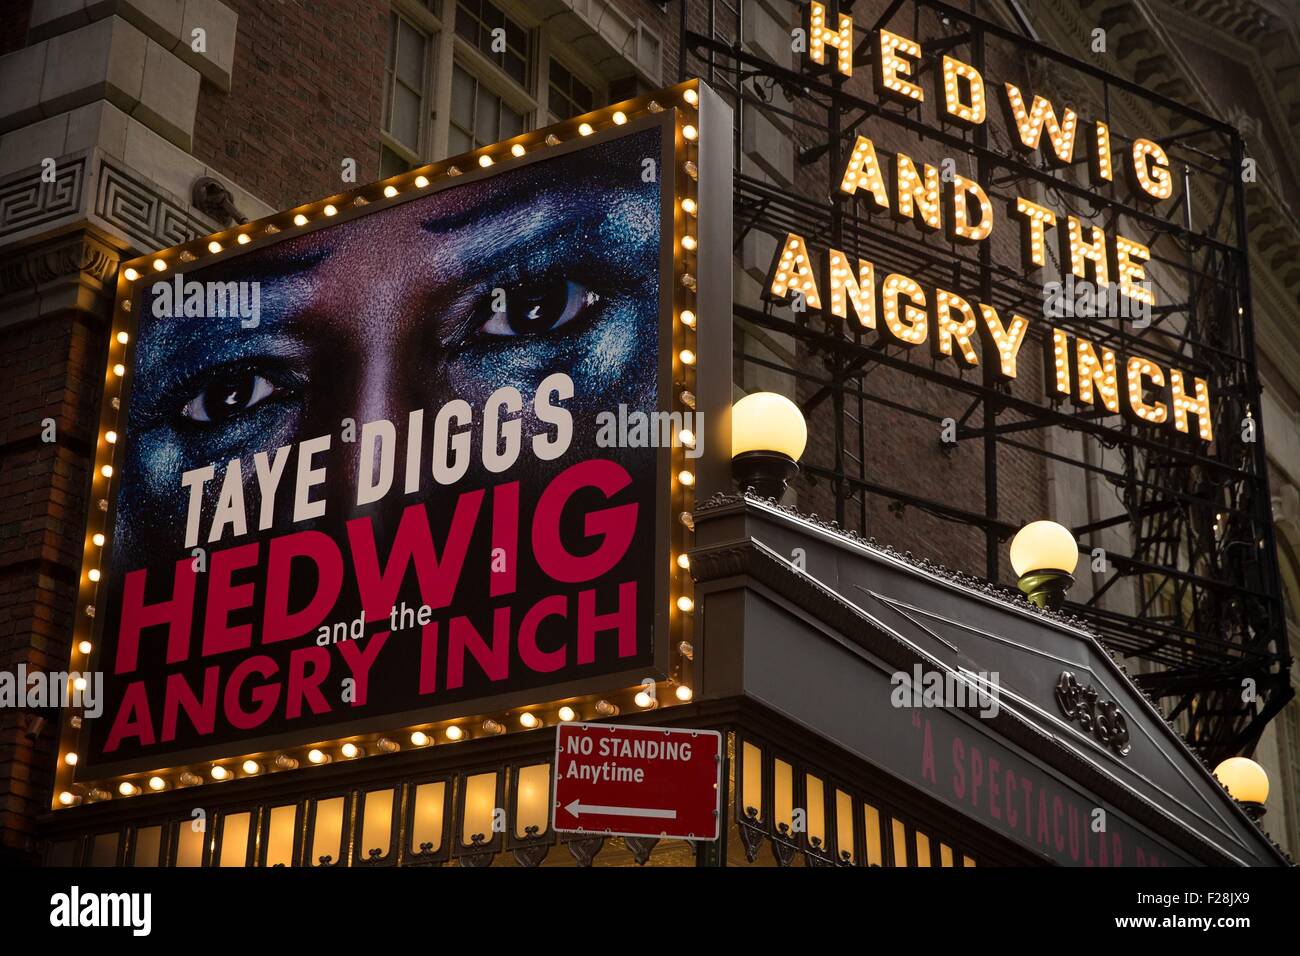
x=356, y=476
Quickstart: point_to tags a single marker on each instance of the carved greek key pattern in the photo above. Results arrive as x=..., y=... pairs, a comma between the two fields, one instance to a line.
x=31, y=202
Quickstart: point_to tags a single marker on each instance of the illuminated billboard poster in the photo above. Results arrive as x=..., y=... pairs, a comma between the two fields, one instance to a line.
x=371, y=464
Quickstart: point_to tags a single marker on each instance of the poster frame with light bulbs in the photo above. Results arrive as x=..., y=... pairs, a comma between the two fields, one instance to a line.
x=695, y=275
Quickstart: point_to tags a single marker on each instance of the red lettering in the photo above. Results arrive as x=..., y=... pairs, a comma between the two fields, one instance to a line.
x=614, y=526
x=224, y=597
x=202, y=712
x=279, y=624
x=176, y=613
x=623, y=620
x=132, y=719
x=264, y=697
x=494, y=660
x=360, y=661
x=533, y=656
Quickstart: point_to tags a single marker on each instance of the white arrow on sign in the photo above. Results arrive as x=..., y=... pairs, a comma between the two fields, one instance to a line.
x=576, y=808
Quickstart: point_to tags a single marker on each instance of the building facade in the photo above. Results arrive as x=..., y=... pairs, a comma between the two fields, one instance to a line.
x=129, y=126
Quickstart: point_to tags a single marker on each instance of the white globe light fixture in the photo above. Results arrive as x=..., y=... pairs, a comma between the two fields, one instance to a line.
x=768, y=435
x=1044, y=554
x=1246, y=782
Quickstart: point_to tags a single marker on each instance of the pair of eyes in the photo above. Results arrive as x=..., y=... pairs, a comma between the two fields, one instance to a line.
x=237, y=389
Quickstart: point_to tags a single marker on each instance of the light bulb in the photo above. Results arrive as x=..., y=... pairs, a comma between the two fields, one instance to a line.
x=300, y=220
x=517, y=150
x=330, y=209
x=485, y=161
x=85, y=647
x=642, y=699
x=585, y=129
x=684, y=693
x=159, y=265
x=686, y=478
x=691, y=97
x=619, y=117
x=689, y=207
x=687, y=357
x=391, y=191
x=317, y=756
x=220, y=773
x=684, y=562
x=419, y=739
x=244, y=239
x=252, y=767
x=93, y=574
x=110, y=437
x=123, y=338
x=157, y=783
x=689, y=243
x=130, y=275
x=688, y=318
x=119, y=369
x=70, y=759
x=421, y=181
x=528, y=720
x=107, y=471
x=567, y=713
x=685, y=604
x=127, y=789
x=687, y=438
x=454, y=733
x=98, y=539
x=350, y=750
x=214, y=247
x=1044, y=546
x=689, y=132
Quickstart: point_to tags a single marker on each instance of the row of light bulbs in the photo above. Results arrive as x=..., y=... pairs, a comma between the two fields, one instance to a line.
x=317, y=756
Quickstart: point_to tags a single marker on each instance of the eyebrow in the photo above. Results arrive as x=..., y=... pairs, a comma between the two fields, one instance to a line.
x=295, y=263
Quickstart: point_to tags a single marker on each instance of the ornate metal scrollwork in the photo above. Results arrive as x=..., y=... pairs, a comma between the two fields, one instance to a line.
x=535, y=850
x=585, y=850
x=784, y=849
x=641, y=848
x=1102, y=719
x=478, y=858
x=751, y=833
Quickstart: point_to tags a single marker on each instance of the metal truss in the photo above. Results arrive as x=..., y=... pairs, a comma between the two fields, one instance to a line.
x=1203, y=564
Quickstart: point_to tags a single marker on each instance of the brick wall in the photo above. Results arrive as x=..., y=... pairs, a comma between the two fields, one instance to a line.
x=306, y=93
x=52, y=368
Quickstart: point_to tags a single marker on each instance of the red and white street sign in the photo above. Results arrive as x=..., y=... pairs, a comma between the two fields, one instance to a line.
x=637, y=781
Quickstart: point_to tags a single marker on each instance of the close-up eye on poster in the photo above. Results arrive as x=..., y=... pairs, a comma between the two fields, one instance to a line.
x=643, y=436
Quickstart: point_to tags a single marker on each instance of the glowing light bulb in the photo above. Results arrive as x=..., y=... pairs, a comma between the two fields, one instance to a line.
x=684, y=693
x=157, y=783
x=330, y=209
x=566, y=713
x=350, y=750
x=685, y=604
x=485, y=161
x=127, y=789
x=686, y=478
x=688, y=318
x=252, y=767
x=689, y=132
x=159, y=265
x=454, y=733
x=300, y=220
x=689, y=243
x=317, y=756
x=84, y=647
x=79, y=683
x=123, y=338
x=528, y=720
x=219, y=772
x=421, y=181
x=110, y=437
x=684, y=562
x=244, y=239
x=119, y=369
x=67, y=799
x=419, y=739
x=642, y=699
x=214, y=247
x=517, y=150
x=391, y=191
x=687, y=357
x=619, y=117
x=585, y=129
x=98, y=539
x=70, y=759
x=93, y=574
x=689, y=207
x=687, y=437
x=107, y=471
x=691, y=97
x=130, y=275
